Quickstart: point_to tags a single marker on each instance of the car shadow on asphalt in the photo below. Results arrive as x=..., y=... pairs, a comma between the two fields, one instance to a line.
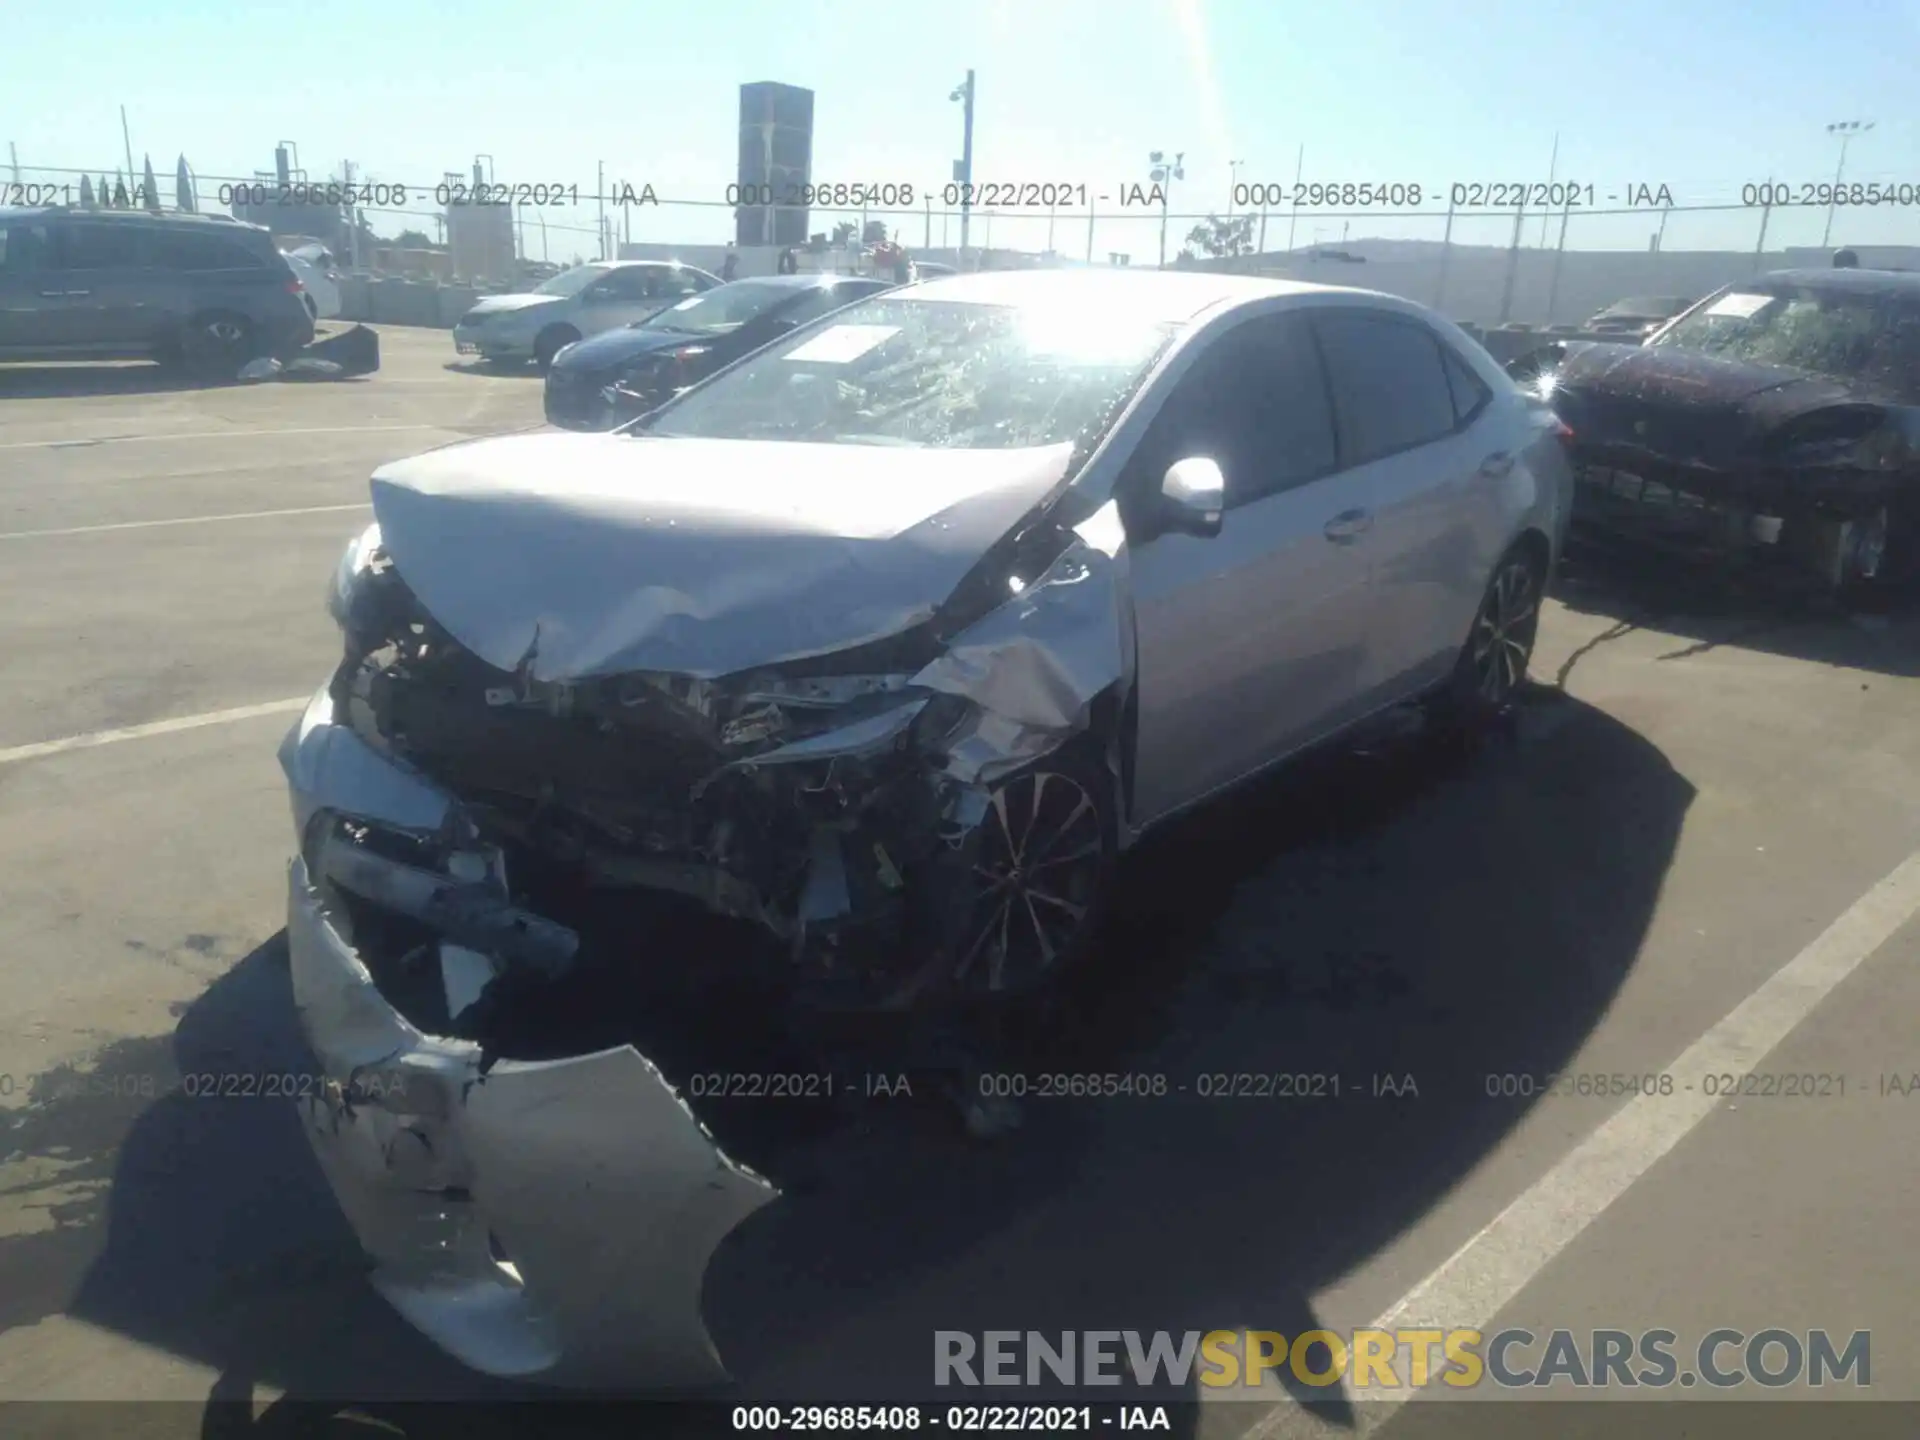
x=37, y=382
x=1731, y=606
x=521, y=369
x=1399, y=914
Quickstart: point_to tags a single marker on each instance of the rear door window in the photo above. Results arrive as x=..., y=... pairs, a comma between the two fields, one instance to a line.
x=84, y=246
x=1390, y=387
x=22, y=248
x=671, y=285
x=170, y=249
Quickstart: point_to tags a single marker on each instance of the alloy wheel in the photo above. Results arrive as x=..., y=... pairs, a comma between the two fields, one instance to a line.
x=1042, y=861
x=227, y=333
x=1503, y=633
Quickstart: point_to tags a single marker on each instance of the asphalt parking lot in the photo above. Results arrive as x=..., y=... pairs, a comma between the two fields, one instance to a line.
x=1694, y=855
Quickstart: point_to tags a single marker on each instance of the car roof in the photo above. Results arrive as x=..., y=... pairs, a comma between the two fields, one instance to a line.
x=129, y=217
x=808, y=282
x=1175, y=296
x=1858, y=282
x=1660, y=300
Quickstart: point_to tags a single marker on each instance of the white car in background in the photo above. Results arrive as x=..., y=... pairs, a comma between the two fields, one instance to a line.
x=574, y=304
x=316, y=269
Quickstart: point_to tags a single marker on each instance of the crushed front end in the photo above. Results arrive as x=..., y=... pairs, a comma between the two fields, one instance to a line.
x=487, y=923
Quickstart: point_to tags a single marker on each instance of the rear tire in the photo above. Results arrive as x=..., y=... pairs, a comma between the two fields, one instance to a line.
x=215, y=344
x=550, y=342
x=1492, y=665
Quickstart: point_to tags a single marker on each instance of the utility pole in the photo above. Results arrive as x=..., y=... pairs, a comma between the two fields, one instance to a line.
x=963, y=170
x=13, y=160
x=1299, y=169
x=600, y=192
x=1766, y=214
x=1846, y=130
x=126, y=137
x=1553, y=165
x=1233, y=170
x=353, y=218
x=1163, y=173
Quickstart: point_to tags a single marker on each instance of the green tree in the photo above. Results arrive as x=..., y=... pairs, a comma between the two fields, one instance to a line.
x=1222, y=239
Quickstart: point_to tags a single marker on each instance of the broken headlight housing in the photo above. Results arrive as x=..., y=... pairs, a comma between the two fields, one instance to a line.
x=354, y=563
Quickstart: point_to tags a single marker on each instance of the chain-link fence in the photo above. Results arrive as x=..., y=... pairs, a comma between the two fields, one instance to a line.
x=1551, y=262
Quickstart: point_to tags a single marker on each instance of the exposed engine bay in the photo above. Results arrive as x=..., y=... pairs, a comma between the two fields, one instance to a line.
x=833, y=805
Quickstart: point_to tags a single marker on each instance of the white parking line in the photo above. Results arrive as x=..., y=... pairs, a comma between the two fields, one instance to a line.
x=88, y=444
x=183, y=520
x=1486, y=1273
x=156, y=727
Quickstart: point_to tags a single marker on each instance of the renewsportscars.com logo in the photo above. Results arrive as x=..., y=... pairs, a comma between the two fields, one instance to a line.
x=1380, y=1360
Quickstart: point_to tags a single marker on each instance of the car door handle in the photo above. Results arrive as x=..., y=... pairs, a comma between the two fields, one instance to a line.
x=52, y=294
x=1348, y=526
x=1497, y=465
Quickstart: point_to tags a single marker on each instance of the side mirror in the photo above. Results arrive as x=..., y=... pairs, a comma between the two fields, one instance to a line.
x=1192, y=497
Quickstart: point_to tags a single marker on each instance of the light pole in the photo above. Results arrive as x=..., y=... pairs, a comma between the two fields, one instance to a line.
x=1233, y=169
x=1163, y=173
x=963, y=168
x=1846, y=130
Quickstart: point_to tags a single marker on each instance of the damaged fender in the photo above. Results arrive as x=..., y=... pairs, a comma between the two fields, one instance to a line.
x=535, y=1219
x=1034, y=667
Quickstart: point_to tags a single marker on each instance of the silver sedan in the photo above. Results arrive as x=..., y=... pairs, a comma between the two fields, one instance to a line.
x=888, y=639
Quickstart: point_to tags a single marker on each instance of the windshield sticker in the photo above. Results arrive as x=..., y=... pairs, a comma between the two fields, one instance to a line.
x=843, y=343
x=1739, y=306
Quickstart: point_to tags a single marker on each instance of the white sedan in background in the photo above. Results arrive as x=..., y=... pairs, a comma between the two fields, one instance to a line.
x=314, y=267
x=576, y=303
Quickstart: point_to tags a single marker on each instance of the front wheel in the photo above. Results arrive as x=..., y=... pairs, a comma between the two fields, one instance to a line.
x=1493, y=663
x=1041, y=880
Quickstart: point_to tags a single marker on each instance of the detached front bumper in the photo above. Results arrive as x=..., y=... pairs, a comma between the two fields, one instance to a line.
x=546, y=1220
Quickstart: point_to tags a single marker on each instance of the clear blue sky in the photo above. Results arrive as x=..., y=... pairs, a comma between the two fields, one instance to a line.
x=1699, y=95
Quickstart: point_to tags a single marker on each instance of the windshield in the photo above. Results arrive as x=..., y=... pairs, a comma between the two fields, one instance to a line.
x=1867, y=339
x=936, y=374
x=722, y=309
x=570, y=282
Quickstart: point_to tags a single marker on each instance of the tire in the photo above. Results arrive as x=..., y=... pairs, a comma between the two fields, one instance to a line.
x=1492, y=665
x=313, y=310
x=550, y=342
x=215, y=344
x=1044, y=879
x=1879, y=559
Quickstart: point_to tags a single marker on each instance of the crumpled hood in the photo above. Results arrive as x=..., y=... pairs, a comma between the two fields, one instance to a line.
x=498, y=304
x=580, y=555
x=629, y=342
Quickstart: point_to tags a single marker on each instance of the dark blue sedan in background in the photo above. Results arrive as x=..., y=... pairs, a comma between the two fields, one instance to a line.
x=610, y=378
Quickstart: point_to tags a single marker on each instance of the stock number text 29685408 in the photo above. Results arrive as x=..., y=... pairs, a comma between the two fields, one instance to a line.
x=841, y=195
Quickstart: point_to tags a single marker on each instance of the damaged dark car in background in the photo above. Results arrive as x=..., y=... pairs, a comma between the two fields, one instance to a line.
x=1777, y=418
x=874, y=649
